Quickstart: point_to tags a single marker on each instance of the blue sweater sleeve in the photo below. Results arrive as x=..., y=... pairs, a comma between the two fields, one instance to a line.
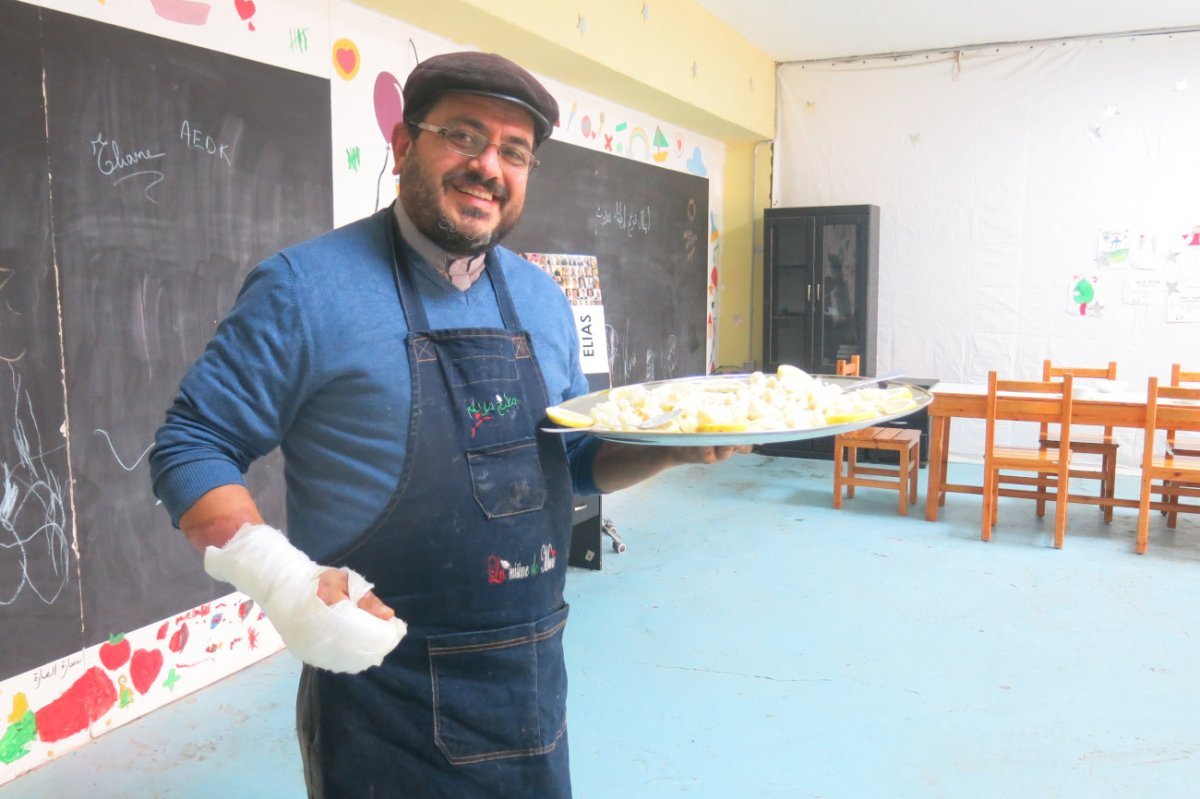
x=239, y=397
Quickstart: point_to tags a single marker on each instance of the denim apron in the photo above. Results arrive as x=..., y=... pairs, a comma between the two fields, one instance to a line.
x=471, y=551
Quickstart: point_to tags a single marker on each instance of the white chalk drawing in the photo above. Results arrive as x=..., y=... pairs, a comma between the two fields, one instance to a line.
x=116, y=456
x=625, y=363
x=5, y=276
x=671, y=358
x=32, y=513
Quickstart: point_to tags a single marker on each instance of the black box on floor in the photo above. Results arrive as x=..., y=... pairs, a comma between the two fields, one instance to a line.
x=587, y=537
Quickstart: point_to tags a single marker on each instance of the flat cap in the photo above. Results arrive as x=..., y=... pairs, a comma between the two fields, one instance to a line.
x=487, y=74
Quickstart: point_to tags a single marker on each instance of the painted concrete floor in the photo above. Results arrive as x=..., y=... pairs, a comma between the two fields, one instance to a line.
x=753, y=642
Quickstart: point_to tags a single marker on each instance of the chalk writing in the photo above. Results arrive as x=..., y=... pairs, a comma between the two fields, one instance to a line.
x=32, y=512
x=199, y=140
x=624, y=218
x=110, y=160
x=689, y=244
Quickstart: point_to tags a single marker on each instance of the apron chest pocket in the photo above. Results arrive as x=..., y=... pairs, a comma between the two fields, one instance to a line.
x=507, y=478
x=499, y=693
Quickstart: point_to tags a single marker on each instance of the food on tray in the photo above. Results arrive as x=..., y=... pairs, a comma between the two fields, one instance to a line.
x=791, y=399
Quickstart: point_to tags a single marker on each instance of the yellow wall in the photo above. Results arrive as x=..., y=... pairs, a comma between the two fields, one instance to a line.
x=645, y=62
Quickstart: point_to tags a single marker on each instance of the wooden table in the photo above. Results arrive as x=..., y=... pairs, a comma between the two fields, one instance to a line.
x=967, y=401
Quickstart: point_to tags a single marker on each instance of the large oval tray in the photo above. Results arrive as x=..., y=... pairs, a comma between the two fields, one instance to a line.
x=922, y=397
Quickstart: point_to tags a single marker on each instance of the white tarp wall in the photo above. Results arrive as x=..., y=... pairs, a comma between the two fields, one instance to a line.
x=1037, y=201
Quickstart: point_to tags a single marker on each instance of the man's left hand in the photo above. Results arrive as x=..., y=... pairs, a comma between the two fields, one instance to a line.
x=684, y=455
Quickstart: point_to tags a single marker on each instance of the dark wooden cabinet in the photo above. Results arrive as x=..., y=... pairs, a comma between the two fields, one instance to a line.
x=820, y=287
x=820, y=295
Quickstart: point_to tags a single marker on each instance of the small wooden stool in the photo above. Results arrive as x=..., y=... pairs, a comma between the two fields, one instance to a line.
x=903, y=477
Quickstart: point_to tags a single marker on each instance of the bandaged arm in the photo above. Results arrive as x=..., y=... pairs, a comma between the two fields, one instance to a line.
x=259, y=561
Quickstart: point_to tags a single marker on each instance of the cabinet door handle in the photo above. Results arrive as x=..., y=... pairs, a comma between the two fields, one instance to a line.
x=808, y=293
x=818, y=292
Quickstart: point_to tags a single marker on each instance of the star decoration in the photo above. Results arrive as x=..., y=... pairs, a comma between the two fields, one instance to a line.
x=914, y=139
x=645, y=12
x=1171, y=257
x=582, y=25
x=1095, y=133
x=1181, y=85
x=1172, y=286
x=695, y=70
x=1112, y=111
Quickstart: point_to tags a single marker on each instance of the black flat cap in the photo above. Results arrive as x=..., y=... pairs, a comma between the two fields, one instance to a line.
x=479, y=73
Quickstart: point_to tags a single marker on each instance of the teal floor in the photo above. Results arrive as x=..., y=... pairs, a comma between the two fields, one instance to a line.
x=753, y=642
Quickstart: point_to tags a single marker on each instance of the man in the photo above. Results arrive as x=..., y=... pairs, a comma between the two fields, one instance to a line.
x=403, y=364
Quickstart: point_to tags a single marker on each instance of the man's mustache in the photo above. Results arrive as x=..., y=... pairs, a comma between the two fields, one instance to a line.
x=472, y=178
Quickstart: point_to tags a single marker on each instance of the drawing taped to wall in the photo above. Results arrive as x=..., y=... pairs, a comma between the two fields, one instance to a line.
x=1112, y=246
x=1183, y=306
x=1084, y=296
x=1145, y=289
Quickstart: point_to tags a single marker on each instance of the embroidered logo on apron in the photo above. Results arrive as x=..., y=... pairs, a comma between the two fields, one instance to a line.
x=487, y=410
x=501, y=571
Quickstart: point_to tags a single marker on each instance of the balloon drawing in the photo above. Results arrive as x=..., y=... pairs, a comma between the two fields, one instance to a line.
x=389, y=104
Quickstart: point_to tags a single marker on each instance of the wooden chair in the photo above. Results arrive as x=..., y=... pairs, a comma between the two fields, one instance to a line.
x=1183, y=446
x=1178, y=475
x=1030, y=401
x=905, y=443
x=1102, y=444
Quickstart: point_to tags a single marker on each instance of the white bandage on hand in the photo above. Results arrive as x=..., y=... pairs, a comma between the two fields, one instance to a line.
x=260, y=562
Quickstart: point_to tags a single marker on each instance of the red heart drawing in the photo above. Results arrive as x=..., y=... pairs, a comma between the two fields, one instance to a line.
x=245, y=8
x=144, y=666
x=346, y=59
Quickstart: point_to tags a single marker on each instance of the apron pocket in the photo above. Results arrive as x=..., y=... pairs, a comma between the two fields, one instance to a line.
x=499, y=693
x=507, y=478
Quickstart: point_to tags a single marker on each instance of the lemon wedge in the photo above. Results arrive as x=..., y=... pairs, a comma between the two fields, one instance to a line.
x=723, y=427
x=849, y=416
x=568, y=418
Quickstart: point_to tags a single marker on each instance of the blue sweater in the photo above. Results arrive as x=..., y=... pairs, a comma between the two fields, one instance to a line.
x=312, y=359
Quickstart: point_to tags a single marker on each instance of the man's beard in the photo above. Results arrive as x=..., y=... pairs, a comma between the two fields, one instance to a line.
x=421, y=197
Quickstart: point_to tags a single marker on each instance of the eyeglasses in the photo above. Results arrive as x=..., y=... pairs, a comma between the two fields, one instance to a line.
x=465, y=141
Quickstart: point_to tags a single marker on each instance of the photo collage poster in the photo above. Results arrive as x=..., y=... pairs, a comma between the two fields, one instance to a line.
x=579, y=278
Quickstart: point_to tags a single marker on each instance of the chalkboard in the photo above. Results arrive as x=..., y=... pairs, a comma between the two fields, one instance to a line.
x=648, y=228
x=173, y=170
x=39, y=575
